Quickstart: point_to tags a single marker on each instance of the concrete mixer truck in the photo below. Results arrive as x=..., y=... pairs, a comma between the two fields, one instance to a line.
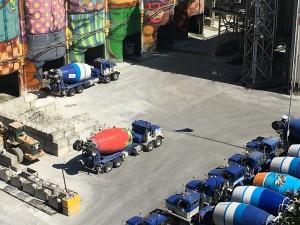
x=289, y=130
x=109, y=147
x=74, y=78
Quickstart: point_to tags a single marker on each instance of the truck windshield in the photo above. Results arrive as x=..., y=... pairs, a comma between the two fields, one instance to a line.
x=138, y=129
x=228, y=176
x=248, y=162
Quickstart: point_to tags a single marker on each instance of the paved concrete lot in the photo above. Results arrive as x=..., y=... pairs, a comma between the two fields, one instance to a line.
x=205, y=117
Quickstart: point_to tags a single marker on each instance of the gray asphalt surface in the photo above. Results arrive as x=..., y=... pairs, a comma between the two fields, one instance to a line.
x=205, y=118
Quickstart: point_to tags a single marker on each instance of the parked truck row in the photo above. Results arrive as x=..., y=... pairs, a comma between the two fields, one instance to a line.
x=74, y=78
x=249, y=190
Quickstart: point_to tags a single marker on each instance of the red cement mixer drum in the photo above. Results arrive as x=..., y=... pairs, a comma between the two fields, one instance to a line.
x=112, y=140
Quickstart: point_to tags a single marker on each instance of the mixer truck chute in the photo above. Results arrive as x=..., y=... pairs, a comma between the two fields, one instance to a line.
x=108, y=148
x=74, y=78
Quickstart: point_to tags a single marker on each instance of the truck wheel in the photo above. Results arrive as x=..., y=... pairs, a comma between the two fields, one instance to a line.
x=98, y=169
x=158, y=142
x=117, y=162
x=79, y=89
x=150, y=146
x=71, y=92
x=115, y=76
x=107, y=79
x=19, y=153
x=108, y=167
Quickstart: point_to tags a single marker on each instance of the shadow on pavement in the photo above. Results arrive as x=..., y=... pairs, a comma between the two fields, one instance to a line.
x=72, y=167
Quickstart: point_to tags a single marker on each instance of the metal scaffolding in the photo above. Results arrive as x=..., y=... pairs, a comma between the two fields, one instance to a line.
x=231, y=14
x=260, y=32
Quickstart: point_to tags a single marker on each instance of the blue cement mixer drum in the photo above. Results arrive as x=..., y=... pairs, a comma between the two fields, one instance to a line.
x=75, y=72
x=233, y=213
x=279, y=182
x=260, y=197
x=294, y=151
x=287, y=165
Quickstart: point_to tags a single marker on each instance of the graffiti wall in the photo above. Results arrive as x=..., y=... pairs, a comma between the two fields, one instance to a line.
x=124, y=20
x=156, y=13
x=183, y=12
x=9, y=37
x=86, y=27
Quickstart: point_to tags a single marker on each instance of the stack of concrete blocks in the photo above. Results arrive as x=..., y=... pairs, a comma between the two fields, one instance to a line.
x=9, y=160
x=55, y=133
x=5, y=174
x=17, y=181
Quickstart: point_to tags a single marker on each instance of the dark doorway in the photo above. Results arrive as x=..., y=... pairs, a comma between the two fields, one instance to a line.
x=9, y=84
x=93, y=53
x=53, y=64
x=196, y=24
x=132, y=45
x=165, y=36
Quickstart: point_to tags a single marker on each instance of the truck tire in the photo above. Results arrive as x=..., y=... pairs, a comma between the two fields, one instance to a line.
x=79, y=89
x=115, y=76
x=98, y=169
x=71, y=92
x=19, y=153
x=118, y=162
x=158, y=142
x=150, y=146
x=108, y=167
x=107, y=79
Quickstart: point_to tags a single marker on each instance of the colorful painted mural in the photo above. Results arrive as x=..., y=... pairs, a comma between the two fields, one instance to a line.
x=124, y=20
x=43, y=37
x=183, y=12
x=156, y=13
x=86, y=23
x=9, y=37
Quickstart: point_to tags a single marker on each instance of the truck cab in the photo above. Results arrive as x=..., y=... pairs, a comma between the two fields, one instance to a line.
x=253, y=161
x=106, y=70
x=184, y=205
x=146, y=134
x=271, y=146
x=152, y=219
x=213, y=189
x=234, y=175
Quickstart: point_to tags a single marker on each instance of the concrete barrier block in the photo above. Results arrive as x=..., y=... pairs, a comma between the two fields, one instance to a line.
x=17, y=181
x=27, y=172
x=30, y=188
x=50, y=150
x=53, y=188
x=5, y=174
x=55, y=135
x=16, y=167
x=55, y=202
x=72, y=210
x=61, y=143
x=42, y=193
x=8, y=159
x=72, y=139
x=89, y=124
x=79, y=126
x=68, y=132
x=62, y=151
x=35, y=180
